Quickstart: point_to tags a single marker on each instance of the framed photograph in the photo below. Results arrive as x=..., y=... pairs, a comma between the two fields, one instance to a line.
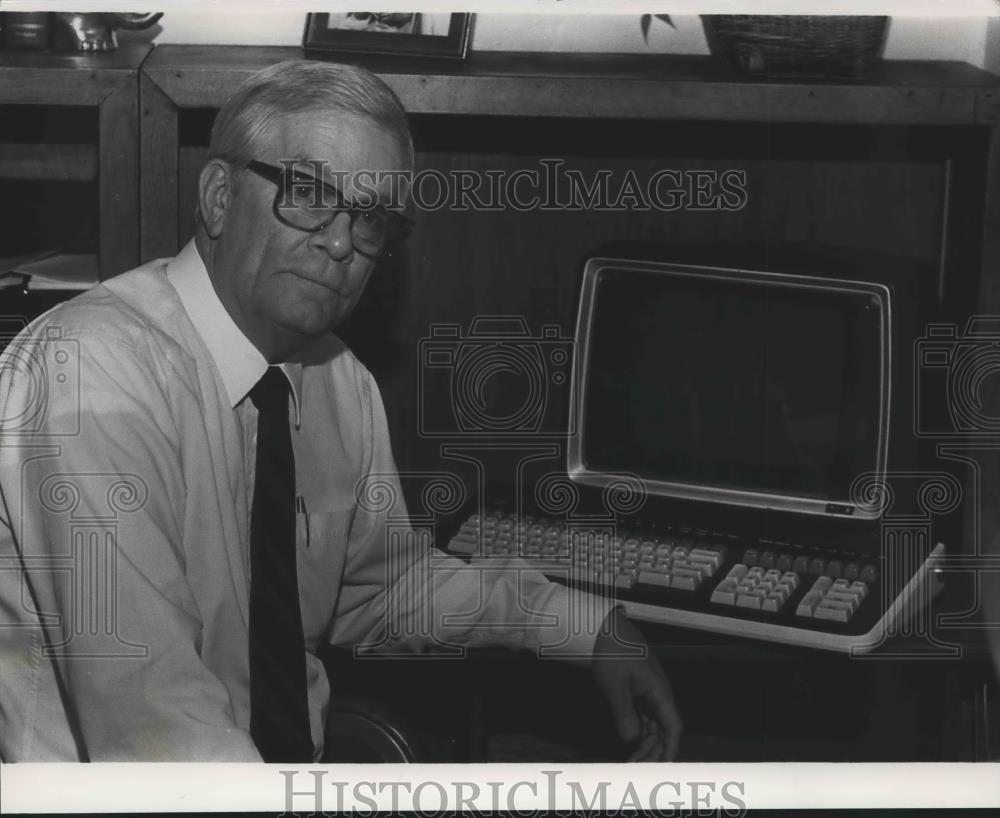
x=444, y=36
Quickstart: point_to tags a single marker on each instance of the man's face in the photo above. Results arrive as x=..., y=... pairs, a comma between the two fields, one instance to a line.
x=281, y=285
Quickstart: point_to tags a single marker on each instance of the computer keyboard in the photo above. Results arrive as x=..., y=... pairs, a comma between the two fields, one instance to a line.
x=710, y=581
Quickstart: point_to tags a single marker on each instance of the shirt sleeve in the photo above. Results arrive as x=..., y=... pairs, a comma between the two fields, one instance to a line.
x=92, y=484
x=400, y=592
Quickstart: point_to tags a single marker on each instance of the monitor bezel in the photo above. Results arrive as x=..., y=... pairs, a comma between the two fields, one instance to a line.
x=840, y=508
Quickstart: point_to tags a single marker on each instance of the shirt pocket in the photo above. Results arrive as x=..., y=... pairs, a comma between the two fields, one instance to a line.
x=321, y=539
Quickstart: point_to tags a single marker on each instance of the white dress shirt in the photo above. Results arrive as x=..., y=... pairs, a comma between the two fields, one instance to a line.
x=126, y=477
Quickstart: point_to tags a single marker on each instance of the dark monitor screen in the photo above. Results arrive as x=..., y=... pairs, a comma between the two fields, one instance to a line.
x=746, y=387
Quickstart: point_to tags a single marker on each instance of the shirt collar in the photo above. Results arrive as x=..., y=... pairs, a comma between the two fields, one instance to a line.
x=239, y=363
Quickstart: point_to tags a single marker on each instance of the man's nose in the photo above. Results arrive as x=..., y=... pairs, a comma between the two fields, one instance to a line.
x=335, y=238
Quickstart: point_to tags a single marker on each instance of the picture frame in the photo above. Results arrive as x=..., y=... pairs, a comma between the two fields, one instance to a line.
x=329, y=35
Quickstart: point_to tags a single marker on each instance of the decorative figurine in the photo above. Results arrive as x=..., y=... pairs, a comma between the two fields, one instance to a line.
x=95, y=31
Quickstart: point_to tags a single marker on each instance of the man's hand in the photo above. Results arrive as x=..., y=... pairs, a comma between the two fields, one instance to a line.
x=637, y=689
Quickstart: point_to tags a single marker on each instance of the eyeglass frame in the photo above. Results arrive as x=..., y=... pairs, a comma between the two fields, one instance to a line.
x=276, y=175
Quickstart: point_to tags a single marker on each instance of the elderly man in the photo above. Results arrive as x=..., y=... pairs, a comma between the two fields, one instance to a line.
x=181, y=525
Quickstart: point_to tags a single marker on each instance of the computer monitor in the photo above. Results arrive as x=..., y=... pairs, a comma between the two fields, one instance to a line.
x=752, y=388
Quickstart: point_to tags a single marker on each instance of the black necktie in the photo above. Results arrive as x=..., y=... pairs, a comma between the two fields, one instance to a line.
x=279, y=712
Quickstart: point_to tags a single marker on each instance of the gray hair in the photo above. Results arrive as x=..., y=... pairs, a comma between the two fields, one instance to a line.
x=303, y=86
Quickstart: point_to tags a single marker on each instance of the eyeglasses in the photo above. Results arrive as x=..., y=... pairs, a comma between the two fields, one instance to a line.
x=307, y=203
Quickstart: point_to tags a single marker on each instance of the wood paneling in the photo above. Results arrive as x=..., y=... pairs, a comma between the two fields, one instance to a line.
x=118, y=166
x=65, y=163
x=158, y=150
x=460, y=265
x=609, y=85
x=53, y=78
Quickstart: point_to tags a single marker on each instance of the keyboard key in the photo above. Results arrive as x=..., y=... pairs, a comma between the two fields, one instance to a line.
x=705, y=569
x=817, y=566
x=808, y=603
x=773, y=574
x=851, y=571
x=835, y=569
x=757, y=572
x=790, y=578
x=653, y=579
x=725, y=592
x=834, y=611
x=767, y=559
x=869, y=573
x=801, y=565
x=860, y=589
x=822, y=584
x=842, y=596
x=773, y=602
x=685, y=581
x=738, y=571
x=750, y=556
x=626, y=580
x=752, y=600
x=784, y=563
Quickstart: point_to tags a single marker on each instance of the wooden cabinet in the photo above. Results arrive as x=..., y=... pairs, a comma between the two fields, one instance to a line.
x=69, y=154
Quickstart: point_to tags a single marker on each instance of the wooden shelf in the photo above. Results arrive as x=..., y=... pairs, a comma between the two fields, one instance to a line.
x=58, y=78
x=613, y=86
x=60, y=162
x=109, y=84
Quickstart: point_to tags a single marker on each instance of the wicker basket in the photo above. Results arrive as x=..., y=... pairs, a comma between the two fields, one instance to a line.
x=797, y=45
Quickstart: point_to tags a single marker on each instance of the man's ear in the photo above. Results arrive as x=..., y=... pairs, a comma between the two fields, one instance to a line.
x=215, y=193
